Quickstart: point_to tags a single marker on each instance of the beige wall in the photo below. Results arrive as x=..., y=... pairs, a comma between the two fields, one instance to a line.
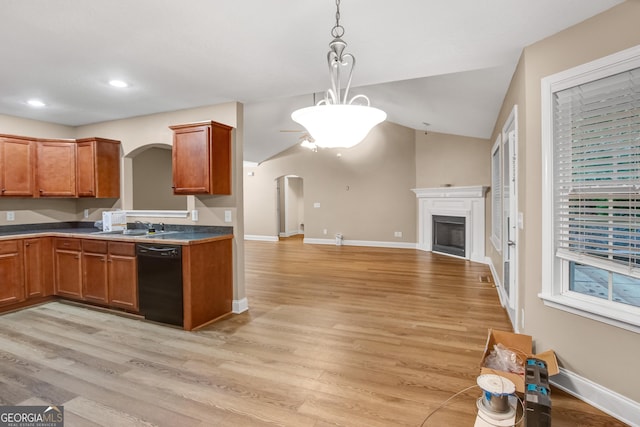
x=152, y=181
x=365, y=194
x=443, y=159
x=604, y=354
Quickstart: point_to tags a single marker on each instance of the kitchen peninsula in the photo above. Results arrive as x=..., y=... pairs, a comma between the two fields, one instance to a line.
x=74, y=261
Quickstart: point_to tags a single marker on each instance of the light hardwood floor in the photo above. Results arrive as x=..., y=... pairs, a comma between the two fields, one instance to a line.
x=335, y=336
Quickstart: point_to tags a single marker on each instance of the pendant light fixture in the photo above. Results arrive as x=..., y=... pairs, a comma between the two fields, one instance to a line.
x=336, y=121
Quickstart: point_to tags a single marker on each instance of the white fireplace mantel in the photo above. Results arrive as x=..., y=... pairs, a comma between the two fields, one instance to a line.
x=467, y=202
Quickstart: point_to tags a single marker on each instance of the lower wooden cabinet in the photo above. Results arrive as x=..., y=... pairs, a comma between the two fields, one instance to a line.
x=68, y=268
x=123, y=276
x=38, y=267
x=95, y=275
x=11, y=272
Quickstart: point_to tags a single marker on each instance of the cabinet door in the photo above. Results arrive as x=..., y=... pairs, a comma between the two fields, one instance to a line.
x=68, y=268
x=11, y=272
x=95, y=271
x=86, y=176
x=94, y=277
x=17, y=168
x=123, y=276
x=38, y=267
x=56, y=169
x=190, y=160
x=98, y=162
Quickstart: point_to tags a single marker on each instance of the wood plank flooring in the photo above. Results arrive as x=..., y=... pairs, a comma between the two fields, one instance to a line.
x=335, y=336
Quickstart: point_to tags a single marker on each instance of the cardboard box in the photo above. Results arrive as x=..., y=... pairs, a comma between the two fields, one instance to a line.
x=522, y=345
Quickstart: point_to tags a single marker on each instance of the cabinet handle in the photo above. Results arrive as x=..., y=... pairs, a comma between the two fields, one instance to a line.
x=103, y=259
x=4, y=189
x=77, y=257
x=41, y=190
x=26, y=244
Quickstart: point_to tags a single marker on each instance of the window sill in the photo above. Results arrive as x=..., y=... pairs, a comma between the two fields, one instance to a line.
x=618, y=317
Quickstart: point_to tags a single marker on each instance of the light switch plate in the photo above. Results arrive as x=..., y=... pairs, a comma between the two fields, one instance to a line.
x=316, y=205
x=194, y=215
x=227, y=216
x=11, y=216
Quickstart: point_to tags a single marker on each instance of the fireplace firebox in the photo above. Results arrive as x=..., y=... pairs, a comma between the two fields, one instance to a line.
x=449, y=235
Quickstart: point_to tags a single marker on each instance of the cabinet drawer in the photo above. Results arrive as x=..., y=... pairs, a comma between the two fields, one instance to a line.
x=94, y=246
x=9, y=247
x=122, y=248
x=68, y=244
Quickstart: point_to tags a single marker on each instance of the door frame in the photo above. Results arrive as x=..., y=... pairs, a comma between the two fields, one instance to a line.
x=511, y=222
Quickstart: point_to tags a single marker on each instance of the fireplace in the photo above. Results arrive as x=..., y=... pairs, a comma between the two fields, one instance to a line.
x=449, y=234
x=465, y=237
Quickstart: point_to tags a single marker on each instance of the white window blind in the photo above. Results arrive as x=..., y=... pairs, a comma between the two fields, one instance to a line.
x=596, y=128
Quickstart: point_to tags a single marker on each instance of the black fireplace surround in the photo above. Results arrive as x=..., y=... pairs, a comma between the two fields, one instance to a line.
x=449, y=235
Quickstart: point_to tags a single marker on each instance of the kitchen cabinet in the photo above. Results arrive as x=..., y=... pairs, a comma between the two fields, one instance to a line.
x=123, y=276
x=68, y=267
x=98, y=168
x=11, y=272
x=201, y=158
x=56, y=168
x=38, y=267
x=208, y=282
x=109, y=273
x=17, y=166
x=94, y=271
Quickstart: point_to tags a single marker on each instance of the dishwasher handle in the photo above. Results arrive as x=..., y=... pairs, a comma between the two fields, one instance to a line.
x=159, y=251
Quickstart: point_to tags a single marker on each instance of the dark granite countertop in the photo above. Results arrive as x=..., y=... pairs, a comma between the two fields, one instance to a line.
x=176, y=234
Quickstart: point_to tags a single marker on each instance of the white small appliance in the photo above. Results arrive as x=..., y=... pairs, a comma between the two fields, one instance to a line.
x=114, y=221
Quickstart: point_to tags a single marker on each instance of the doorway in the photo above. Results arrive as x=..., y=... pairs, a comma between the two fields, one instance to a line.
x=290, y=205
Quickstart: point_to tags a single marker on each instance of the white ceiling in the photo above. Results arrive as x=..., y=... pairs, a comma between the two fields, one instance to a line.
x=445, y=62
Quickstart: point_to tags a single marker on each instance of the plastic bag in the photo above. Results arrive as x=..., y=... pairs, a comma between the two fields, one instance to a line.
x=503, y=359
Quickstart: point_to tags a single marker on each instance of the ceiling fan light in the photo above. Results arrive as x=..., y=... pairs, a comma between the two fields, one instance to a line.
x=338, y=125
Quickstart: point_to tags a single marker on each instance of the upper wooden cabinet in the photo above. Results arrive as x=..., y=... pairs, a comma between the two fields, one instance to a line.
x=33, y=167
x=56, y=168
x=98, y=167
x=201, y=158
x=17, y=166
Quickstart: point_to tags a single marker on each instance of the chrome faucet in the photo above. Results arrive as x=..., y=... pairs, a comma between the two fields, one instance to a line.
x=146, y=224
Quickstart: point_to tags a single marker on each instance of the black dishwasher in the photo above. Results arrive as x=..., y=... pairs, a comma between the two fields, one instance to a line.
x=160, y=283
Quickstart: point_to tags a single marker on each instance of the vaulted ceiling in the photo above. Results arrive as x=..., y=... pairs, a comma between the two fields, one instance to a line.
x=443, y=62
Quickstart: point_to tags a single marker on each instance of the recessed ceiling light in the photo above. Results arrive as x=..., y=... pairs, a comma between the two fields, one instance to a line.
x=36, y=103
x=118, y=83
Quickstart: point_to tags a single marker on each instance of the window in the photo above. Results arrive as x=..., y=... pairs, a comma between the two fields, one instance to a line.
x=496, y=196
x=591, y=222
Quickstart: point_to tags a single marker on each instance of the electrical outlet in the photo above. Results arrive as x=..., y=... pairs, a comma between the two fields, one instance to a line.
x=86, y=213
x=11, y=216
x=194, y=215
x=316, y=205
x=324, y=231
x=397, y=234
x=227, y=216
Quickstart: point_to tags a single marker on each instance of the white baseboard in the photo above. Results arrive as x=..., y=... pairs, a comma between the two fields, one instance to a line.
x=369, y=243
x=261, y=238
x=614, y=404
x=496, y=279
x=240, y=306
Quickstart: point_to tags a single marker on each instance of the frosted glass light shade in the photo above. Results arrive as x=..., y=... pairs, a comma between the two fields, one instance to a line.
x=338, y=125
